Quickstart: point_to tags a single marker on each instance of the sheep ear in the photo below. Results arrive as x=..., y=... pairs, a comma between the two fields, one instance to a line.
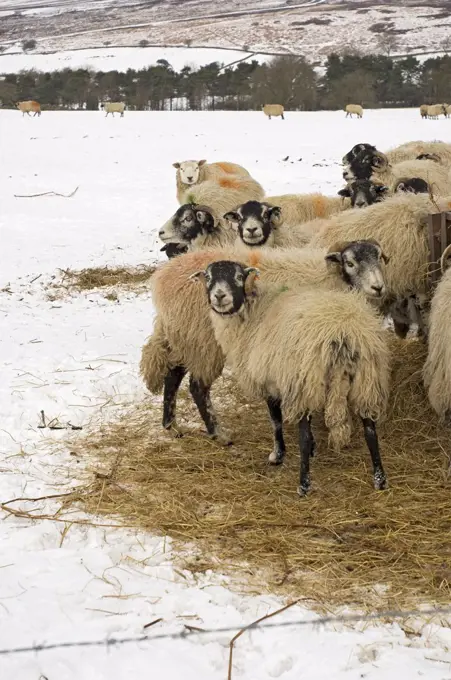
x=202, y=162
x=334, y=257
x=233, y=218
x=445, y=260
x=197, y=276
x=252, y=274
x=379, y=160
x=401, y=187
x=176, y=165
x=345, y=193
x=202, y=216
x=275, y=214
x=381, y=188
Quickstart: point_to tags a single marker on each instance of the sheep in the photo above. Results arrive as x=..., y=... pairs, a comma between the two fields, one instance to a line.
x=193, y=227
x=173, y=249
x=424, y=110
x=273, y=110
x=113, y=107
x=259, y=224
x=414, y=185
x=356, y=149
x=302, y=351
x=434, y=111
x=28, y=106
x=399, y=225
x=375, y=165
x=411, y=150
x=183, y=339
x=352, y=109
x=190, y=173
x=437, y=368
x=429, y=157
x=298, y=208
x=225, y=194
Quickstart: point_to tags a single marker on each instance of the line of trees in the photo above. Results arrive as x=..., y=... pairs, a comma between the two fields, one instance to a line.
x=373, y=81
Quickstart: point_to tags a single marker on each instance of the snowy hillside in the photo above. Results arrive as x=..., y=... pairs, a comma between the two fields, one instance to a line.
x=74, y=355
x=312, y=28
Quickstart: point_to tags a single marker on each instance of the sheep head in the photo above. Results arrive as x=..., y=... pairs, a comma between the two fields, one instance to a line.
x=255, y=222
x=189, y=171
x=359, y=263
x=363, y=192
x=228, y=285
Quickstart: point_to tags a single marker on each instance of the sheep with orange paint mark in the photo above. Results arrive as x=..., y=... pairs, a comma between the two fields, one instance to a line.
x=28, y=106
x=190, y=173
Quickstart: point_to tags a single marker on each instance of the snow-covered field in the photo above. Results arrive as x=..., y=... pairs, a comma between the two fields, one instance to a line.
x=120, y=58
x=77, y=359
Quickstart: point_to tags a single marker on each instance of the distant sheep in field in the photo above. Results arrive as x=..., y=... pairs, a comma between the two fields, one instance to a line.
x=275, y=110
x=183, y=340
x=424, y=110
x=190, y=173
x=28, y=106
x=354, y=109
x=435, y=111
x=437, y=369
x=113, y=107
x=304, y=352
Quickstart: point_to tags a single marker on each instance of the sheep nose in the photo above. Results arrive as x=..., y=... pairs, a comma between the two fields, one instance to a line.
x=190, y=179
x=251, y=230
x=161, y=233
x=377, y=289
x=220, y=296
x=360, y=204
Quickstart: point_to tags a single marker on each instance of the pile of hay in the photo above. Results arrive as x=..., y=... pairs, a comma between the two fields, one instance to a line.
x=129, y=278
x=343, y=544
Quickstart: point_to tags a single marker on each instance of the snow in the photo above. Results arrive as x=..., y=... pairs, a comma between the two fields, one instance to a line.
x=77, y=359
x=120, y=58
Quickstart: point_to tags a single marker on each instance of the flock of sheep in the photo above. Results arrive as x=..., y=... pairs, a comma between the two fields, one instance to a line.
x=292, y=293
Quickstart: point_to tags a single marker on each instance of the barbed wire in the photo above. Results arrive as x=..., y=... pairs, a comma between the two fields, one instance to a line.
x=190, y=631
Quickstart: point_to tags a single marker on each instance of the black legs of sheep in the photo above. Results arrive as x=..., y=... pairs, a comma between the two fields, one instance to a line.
x=275, y=414
x=171, y=385
x=307, y=449
x=201, y=396
x=307, y=446
x=369, y=429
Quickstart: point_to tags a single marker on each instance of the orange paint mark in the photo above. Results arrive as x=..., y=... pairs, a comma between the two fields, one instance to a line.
x=319, y=206
x=229, y=183
x=254, y=259
x=226, y=167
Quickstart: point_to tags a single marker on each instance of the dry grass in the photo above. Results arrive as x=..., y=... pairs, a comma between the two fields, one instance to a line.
x=343, y=544
x=114, y=279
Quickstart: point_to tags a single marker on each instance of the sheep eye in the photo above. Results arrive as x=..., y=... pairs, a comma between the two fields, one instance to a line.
x=240, y=278
x=350, y=265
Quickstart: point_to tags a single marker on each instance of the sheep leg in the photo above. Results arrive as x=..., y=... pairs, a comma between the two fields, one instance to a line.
x=369, y=428
x=306, y=447
x=200, y=392
x=275, y=413
x=171, y=385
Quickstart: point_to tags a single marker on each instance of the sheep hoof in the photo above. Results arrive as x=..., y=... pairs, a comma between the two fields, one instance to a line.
x=380, y=481
x=222, y=438
x=175, y=430
x=276, y=457
x=303, y=489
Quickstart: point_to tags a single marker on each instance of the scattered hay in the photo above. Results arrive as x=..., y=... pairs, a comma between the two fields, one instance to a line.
x=99, y=277
x=343, y=544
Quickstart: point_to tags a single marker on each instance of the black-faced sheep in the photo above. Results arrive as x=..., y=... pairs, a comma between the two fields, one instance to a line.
x=364, y=192
x=304, y=352
x=193, y=227
x=356, y=149
x=369, y=165
x=183, y=339
x=437, y=369
x=414, y=185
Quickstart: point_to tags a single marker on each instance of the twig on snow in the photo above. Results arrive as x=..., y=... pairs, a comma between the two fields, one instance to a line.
x=252, y=625
x=47, y=193
x=152, y=623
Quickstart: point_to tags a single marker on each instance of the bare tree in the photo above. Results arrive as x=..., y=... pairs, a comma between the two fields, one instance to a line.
x=387, y=43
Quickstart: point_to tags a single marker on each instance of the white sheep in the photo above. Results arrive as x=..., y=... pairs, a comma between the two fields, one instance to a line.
x=304, y=352
x=437, y=369
x=435, y=111
x=113, y=107
x=183, y=339
x=190, y=173
x=29, y=105
x=275, y=110
x=352, y=109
